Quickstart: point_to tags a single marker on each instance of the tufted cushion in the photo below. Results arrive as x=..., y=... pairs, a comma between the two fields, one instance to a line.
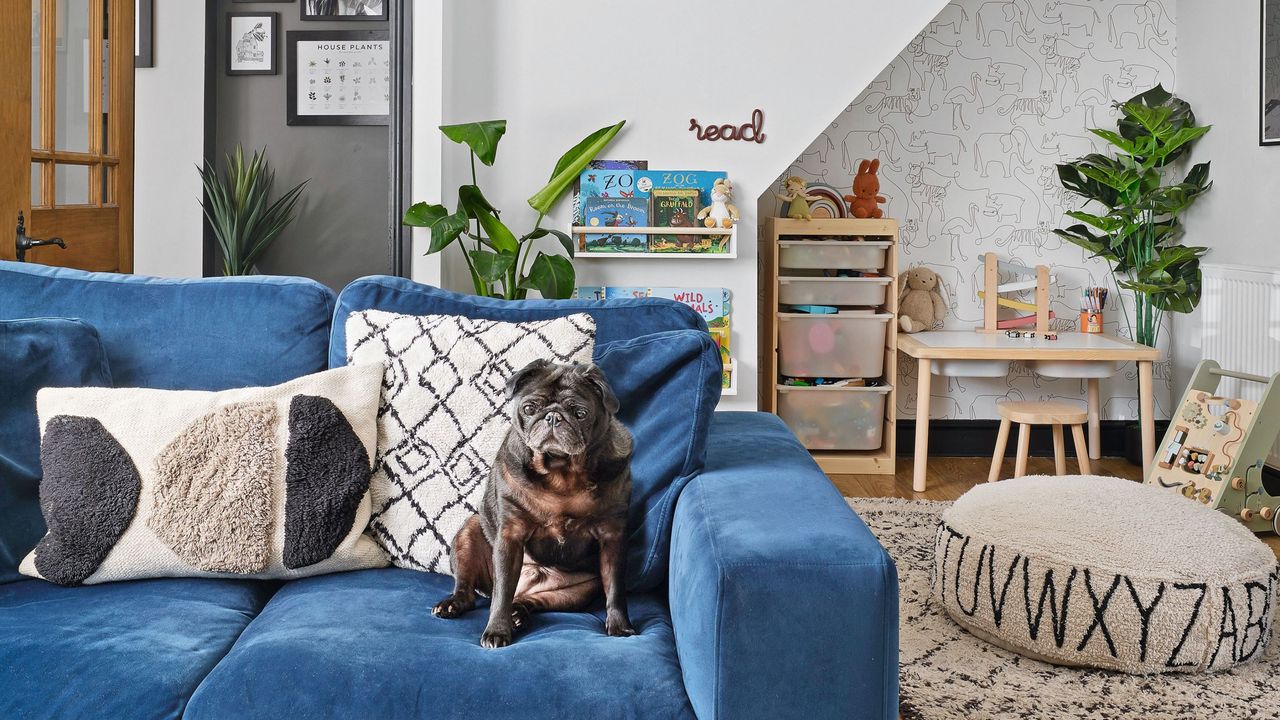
x=1104, y=572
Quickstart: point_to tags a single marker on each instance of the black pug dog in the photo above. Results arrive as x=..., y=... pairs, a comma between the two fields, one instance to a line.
x=551, y=530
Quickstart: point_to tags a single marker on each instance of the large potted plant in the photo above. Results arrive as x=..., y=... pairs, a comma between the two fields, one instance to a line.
x=1132, y=216
x=498, y=260
x=238, y=205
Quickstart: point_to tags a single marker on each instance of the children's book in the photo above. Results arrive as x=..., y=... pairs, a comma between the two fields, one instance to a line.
x=675, y=208
x=615, y=214
x=605, y=178
x=713, y=304
x=646, y=181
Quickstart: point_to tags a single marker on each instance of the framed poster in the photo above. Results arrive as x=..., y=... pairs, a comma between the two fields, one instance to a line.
x=251, y=43
x=1269, y=103
x=344, y=9
x=143, y=33
x=339, y=77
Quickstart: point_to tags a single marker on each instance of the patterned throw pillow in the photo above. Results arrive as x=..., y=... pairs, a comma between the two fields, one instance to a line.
x=254, y=483
x=444, y=415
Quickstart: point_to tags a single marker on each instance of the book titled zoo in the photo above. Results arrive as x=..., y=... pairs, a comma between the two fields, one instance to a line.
x=676, y=208
x=615, y=214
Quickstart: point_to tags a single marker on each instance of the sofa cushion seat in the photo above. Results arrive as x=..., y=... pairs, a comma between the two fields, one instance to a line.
x=131, y=649
x=365, y=644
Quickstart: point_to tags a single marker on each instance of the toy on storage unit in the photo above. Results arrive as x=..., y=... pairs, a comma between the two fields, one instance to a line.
x=866, y=198
x=798, y=208
x=1215, y=447
x=920, y=302
x=1038, y=311
x=721, y=212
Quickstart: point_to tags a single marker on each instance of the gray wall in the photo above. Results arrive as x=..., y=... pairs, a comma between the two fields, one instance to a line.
x=1218, y=73
x=1218, y=57
x=341, y=232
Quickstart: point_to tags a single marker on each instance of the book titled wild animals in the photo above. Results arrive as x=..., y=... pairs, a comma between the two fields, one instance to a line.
x=614, y=215
x=713, y=304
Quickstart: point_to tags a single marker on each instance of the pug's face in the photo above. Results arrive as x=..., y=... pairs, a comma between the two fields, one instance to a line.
x=561, y=410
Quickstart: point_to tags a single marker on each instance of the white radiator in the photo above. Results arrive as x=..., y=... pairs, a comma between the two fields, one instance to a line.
x=1240, y=327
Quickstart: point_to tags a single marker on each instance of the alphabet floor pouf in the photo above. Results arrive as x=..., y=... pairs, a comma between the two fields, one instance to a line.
x=1103, y=572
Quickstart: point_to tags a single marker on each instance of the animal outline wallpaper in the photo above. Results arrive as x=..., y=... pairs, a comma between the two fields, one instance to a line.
x=969, y=122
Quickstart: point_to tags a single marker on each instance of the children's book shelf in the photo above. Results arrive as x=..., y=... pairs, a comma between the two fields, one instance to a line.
x=804, y=258
x=579, y=233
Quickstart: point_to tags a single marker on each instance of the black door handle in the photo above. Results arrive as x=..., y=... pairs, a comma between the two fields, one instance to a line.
x=24, y=243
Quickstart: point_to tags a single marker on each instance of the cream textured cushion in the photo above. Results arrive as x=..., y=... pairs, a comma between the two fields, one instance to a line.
x=1104, y=572
x=254, y=483
x=444, y=414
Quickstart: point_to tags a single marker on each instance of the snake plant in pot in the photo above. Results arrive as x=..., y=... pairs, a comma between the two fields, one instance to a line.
x=1132, y=216
x=239, y=208
x=497, y=260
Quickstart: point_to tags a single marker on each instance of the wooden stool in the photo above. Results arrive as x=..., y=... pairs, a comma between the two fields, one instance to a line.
x=1031, y=413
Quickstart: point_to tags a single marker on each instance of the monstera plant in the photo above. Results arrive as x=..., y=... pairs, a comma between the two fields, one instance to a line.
x=1133, y=214
x=497, y=259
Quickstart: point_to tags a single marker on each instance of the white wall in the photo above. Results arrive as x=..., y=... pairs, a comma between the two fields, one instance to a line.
x=968, y=123
x=428, y=113
x=1218, y=73
x=558, y=69
x=169, y=144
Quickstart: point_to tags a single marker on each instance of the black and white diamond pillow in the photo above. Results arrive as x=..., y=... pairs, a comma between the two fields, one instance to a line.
x=443, y=415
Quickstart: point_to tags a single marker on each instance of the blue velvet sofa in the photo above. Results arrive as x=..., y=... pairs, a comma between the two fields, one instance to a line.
x=761, y=594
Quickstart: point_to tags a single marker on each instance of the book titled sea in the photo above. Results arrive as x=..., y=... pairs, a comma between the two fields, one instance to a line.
x=675, y=208
x=614, y=215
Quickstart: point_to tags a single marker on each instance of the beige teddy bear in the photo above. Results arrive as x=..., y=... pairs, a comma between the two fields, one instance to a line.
x=920, y=302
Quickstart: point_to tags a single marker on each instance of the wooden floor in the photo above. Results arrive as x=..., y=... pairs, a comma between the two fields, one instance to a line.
x=949, y=478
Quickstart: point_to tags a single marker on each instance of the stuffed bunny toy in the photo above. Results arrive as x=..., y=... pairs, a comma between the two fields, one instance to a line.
x=864, y=202
x=920, y=302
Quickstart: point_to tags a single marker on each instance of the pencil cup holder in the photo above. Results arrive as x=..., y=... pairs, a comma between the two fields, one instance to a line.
x=1090, y=322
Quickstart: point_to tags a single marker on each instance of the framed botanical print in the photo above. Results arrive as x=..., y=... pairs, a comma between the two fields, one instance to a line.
x=251, y=43
x=1269, y=103
x=339, y=77
x=344, y=9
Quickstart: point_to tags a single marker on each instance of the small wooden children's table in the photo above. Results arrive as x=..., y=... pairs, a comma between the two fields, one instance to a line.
x=943, y=345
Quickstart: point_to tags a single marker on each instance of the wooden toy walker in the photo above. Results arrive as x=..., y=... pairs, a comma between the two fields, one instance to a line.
x=1215, y=447
x=1037, y=278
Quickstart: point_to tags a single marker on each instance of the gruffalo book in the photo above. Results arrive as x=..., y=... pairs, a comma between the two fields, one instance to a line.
x=675, y=208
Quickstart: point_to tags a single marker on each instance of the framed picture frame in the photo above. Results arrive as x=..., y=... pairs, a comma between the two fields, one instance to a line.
x=1269, y=90
x=252, y=43
x=338, y=77
x=144, y=33
x=344, y=9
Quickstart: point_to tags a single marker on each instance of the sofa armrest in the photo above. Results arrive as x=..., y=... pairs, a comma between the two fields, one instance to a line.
x=784, y=604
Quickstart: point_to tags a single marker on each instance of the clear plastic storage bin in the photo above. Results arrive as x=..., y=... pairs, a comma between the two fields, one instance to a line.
x=834, y=418
x=833, y=291
x=846, y=344
x=833, y=254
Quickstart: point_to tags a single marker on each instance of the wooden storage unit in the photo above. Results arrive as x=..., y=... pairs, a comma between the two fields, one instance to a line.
x=880, y=461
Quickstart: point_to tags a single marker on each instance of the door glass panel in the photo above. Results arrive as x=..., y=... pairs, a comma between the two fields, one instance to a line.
x=35, y=73
x=37, y=169
x=71, y=85
x=71, y=183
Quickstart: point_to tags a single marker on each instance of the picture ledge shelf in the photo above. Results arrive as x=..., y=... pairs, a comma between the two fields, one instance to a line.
x=581, y=231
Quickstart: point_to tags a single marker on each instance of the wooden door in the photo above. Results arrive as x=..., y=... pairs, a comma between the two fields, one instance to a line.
x=66, y=131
